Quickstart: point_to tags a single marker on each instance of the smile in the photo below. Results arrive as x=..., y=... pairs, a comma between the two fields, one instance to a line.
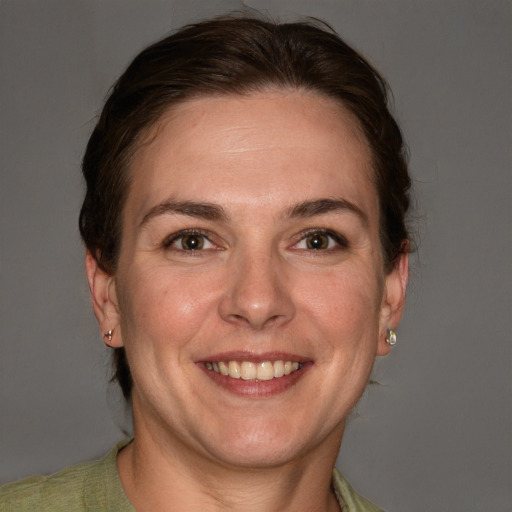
x=247, y=370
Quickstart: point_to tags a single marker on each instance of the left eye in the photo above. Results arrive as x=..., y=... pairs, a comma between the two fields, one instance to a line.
x=318, y=240
x=190, y=242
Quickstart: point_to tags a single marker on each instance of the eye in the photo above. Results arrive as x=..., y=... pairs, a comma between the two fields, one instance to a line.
x=189, y=241
x=192, y=242
x=320, y=240
x=317, y=241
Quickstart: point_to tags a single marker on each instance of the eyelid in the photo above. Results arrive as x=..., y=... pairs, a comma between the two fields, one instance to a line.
x=174, y=237
x=340, y=240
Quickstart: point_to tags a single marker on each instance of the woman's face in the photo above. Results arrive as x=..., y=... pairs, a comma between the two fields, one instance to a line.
x=251, y=241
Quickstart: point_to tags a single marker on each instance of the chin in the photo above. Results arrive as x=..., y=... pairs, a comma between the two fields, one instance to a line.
x=259, y=455
x=262, y=445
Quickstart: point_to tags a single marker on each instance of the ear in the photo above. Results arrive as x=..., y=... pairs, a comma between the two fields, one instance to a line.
x=104, y=301
x=393, y=300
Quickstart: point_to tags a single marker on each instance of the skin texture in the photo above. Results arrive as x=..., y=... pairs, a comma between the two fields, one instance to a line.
x=271, y=168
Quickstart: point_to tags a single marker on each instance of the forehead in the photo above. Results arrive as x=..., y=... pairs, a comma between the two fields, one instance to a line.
x=274, y=109
x=260, y=145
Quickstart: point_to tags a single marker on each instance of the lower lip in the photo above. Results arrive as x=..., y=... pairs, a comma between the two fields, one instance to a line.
x=253, y=388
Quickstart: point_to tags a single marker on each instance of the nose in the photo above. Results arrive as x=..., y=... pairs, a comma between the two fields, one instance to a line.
x=258, y=293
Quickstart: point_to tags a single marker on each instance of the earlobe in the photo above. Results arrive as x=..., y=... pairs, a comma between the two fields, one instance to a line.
x=395, y=287
x=104, y=301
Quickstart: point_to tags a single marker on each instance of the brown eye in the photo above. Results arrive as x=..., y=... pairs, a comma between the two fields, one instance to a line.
x=322, y=240
x=317, y=241
x=192, y=242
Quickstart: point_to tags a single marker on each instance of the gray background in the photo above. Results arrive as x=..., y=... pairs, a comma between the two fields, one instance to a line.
x=436, y=433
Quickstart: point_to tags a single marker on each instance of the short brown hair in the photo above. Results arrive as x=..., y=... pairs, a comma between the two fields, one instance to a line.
x=236, y=55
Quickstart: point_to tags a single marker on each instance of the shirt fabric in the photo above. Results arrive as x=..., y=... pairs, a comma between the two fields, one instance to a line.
x=96, y=487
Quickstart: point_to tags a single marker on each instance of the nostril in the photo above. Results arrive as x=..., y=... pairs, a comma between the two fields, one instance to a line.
x=256, y=322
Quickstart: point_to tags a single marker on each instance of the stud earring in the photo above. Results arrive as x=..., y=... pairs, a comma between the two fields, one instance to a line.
x=108, y=336
x=391, y=339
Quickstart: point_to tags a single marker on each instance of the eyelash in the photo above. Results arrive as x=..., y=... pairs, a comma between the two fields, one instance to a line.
x=175, y=237
x=341, y=243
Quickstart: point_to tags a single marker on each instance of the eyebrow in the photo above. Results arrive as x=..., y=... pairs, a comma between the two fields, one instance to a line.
x=214, y=212
x=207, y=211
x=308, y=209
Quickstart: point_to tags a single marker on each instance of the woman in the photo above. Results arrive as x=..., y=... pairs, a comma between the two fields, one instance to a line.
x=247, y=260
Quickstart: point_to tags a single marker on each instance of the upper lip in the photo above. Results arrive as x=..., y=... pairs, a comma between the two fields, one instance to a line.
x=253, y=357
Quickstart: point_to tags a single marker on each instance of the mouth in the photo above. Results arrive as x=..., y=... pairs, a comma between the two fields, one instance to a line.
x=254, y=371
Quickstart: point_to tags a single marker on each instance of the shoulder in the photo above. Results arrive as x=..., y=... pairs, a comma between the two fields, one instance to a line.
x=91, y=486
x=350, y=501
x=63, y=491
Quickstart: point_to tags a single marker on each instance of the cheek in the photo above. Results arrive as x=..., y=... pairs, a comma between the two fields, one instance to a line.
x=160, y=315
x=341, y=315
x=161, y=305
x=168, y=309
x=346, y=297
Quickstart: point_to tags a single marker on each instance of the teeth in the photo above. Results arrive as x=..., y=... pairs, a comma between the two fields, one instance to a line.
x=278, y=369
x=246, y=370
x=223, y=368
x=265, y=371
x=234, y=370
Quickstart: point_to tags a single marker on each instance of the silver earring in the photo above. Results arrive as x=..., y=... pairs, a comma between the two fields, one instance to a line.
x=391, y=339
x=108, y=336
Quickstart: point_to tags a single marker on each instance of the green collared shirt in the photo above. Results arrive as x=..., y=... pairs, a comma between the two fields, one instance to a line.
x=95, y=487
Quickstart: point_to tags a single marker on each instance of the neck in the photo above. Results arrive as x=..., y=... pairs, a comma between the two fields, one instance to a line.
x=161, y=473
